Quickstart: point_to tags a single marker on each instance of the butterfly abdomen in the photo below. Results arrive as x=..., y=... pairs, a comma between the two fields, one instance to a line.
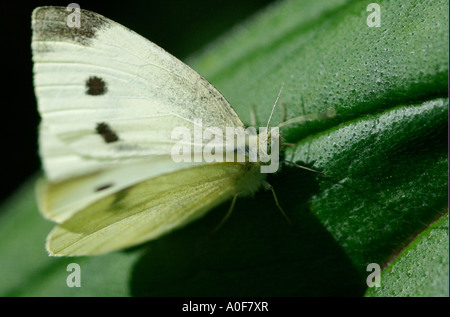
x=251, y=180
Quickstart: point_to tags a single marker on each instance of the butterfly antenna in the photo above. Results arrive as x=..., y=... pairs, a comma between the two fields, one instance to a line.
x=273, y=108
x=304, y=167
x=252, y=116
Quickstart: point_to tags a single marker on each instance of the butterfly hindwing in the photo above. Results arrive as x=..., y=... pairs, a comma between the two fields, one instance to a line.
x=59, y=201
x=145, y=211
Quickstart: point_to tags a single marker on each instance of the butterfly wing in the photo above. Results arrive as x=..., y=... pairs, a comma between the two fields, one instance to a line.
x=146, y=211
x=109, y=100
x=107, y=95
x=59, y=201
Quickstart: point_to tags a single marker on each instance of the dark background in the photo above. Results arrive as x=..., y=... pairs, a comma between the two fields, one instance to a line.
x=180, y=27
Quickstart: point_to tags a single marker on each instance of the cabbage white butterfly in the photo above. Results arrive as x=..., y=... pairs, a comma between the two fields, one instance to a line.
x=109, y=101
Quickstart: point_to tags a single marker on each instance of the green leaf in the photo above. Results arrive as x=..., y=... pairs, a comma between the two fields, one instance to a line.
x=386, y=178
x=384, y=155
x=421, y=269
x=27, y=270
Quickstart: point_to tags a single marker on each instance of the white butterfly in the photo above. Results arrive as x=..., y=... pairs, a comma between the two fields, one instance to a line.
x=109, y=100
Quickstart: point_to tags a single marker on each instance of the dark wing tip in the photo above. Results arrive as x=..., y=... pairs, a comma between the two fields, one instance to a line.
x=66, y=24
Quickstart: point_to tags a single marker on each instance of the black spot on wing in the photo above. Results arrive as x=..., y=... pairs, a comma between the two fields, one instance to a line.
x=95, y=86
x=98, y=189
x=50, y=24
x=106, y=132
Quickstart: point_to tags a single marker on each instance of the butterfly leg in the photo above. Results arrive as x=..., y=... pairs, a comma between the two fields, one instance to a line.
x=227, y=215
x=268, y=186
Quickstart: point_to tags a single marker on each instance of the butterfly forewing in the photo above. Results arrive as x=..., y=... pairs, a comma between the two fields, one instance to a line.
x=104, y=73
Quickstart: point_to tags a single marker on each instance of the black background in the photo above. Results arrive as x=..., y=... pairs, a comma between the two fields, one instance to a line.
x=180, y=27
